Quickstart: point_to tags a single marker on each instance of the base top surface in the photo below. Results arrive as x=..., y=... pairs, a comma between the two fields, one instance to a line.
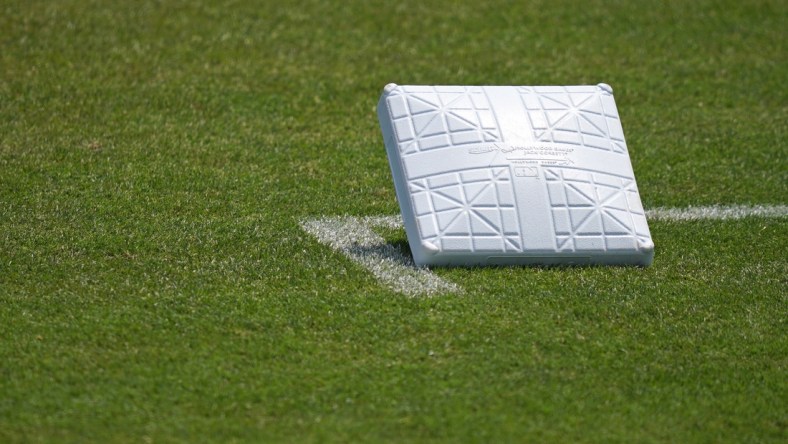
x=513, y=175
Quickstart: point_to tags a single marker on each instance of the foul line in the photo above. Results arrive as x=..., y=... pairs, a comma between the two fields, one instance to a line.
x=355, y=238
x=717, y=212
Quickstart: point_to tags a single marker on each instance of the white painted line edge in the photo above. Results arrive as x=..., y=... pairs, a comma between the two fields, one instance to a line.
x=355, y=238
x=717, y=212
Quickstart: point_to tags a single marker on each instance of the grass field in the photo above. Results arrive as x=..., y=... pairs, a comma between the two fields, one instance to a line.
x=157, y=157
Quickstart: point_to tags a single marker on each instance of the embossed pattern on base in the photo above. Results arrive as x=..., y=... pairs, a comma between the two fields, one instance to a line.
x=492, y=172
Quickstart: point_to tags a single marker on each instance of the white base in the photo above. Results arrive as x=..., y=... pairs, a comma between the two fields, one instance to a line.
x=513, y=175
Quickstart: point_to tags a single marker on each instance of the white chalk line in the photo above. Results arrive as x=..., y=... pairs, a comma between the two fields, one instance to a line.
x=355, y=238
x=717, y=212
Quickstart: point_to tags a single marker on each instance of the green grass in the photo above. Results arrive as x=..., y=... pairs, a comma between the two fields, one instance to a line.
x=156, y=157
